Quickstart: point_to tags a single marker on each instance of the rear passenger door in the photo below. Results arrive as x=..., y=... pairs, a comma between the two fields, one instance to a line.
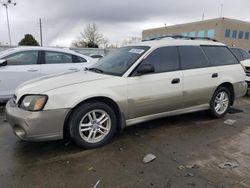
x=200, y=78
x=157, y=92
x=226, y=64
x=56, y=62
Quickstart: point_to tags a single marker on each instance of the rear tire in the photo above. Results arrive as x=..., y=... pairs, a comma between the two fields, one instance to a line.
x=92, y=124
x=220, y=102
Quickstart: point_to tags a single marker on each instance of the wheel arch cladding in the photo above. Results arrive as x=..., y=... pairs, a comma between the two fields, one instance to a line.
x=120, y=117
x=229, y=86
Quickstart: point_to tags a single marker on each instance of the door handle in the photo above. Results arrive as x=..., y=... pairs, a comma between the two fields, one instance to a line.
x=215, y=75
x=32, y=70
x=176, y=81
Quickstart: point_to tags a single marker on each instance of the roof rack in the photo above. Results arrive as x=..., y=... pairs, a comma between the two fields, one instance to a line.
x=181, y=37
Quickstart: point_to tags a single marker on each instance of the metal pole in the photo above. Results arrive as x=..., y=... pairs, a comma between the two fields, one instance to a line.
x=7, y=15
x=41, y=32
x=221, y=10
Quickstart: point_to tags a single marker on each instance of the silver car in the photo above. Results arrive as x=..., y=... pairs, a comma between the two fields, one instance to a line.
x=134, y=84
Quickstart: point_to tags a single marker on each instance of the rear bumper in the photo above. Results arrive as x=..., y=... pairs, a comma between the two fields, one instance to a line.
x=36, y=126
x=248, y=82
x=240, y=89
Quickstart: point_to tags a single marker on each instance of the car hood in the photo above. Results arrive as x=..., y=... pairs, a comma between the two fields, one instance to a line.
x=246, y=63
x=50, y=82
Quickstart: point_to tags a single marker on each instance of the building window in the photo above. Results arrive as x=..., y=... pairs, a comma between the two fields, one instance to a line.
x=192, y=34
x=234, y=35
x=241, y=34
x=247, y=35
x=201, y=33
x=211, y=33
x=184, y=34
x=227, y=33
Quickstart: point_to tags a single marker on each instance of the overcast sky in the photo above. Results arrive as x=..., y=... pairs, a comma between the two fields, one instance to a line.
x=63, y=20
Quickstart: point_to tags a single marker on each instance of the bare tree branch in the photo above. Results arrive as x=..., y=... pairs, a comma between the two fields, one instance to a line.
x=90, y=37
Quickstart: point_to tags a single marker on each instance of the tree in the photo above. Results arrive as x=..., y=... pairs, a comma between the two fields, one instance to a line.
x=28, y=40
x=131, y=40
x=90, y=38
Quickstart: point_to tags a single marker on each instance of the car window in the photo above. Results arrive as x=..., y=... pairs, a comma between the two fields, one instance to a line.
x=23, y=58
x=237, y=53
x=192, y=57
x=57, y=58
x=163, y=59
x=245, y=54
x=219, y=55
x=81, y=59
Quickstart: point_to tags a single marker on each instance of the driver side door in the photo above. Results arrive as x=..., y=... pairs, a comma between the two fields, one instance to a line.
x=21, y=66
x=157, y=92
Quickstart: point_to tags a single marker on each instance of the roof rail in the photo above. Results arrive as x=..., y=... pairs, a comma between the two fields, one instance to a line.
x=181, y=37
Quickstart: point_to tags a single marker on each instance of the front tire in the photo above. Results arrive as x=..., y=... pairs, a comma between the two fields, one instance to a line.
x=92, y=124
x=220, y=102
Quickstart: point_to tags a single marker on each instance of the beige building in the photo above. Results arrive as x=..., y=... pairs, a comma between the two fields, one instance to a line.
x=228, y=31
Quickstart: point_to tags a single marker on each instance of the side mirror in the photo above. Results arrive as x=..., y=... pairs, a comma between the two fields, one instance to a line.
x=145, y=69
x=3, y=62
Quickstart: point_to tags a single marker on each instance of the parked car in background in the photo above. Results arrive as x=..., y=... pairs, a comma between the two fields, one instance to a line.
x=240, y=53
x=244, y=57
x=96, y=56
x=133, y=84
x=18, y=65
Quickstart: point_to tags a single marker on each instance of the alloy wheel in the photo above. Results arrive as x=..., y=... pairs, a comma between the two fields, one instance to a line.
x=95, y=126
x=221, y=102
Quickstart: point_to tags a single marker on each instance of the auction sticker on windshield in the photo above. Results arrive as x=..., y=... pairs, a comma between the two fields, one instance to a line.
x=136, y=51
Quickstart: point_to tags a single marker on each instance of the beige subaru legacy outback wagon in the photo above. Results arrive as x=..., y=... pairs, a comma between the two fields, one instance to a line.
x=134, y=84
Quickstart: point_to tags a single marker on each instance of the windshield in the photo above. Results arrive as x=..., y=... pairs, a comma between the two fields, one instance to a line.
x=119, y=61
x=4, y=52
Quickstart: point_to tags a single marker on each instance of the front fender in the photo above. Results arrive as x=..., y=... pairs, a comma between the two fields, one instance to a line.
x=71, y=96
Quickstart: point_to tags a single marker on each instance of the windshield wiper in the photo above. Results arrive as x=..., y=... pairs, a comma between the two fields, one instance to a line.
x=94, y=69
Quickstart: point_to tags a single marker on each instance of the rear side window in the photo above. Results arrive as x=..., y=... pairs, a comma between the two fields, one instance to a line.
x=57, y=58
x=219, y=55
x=163, y=59
x=237, y=53
x=78, y=59
x=245, y=54
x=192, y=57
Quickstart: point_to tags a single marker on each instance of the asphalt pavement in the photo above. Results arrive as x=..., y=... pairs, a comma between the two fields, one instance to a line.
x=191, y=150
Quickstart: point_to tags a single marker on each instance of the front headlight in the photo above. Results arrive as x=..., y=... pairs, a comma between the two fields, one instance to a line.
x=33, y=102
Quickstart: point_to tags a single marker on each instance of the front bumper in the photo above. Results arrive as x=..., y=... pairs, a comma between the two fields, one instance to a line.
x=36, y=126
